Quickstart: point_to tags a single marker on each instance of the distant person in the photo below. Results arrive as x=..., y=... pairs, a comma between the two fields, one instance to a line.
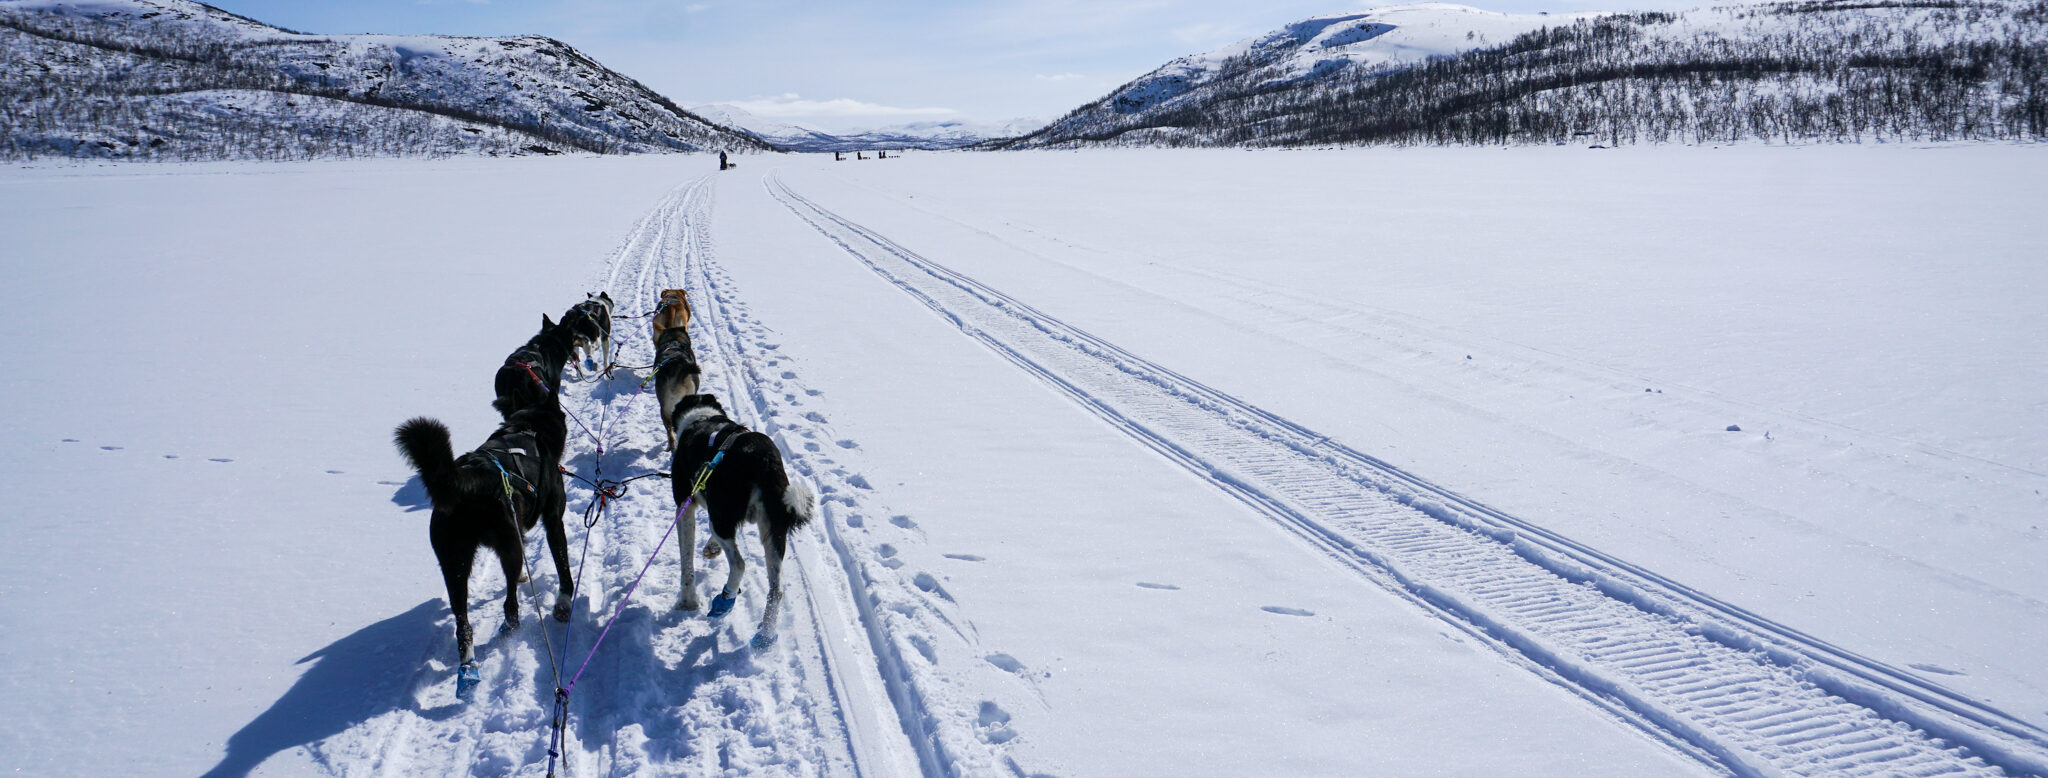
x=721, y=160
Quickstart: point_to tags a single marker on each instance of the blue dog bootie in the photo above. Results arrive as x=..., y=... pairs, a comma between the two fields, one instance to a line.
x=722, y=604
x=466, y=680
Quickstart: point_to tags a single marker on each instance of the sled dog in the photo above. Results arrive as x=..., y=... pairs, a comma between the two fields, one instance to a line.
x=747, y=484
x=492, y=497
x=532, y=375
x=672, y=311
x=590, y=330
x=675, y=375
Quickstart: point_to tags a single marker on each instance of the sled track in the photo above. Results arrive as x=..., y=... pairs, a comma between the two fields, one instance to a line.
x=892, y=725
x=795, y=708
x=668, y=693
x=1725, y=685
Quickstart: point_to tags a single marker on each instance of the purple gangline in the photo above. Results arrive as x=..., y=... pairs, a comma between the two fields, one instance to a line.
x=621, y=609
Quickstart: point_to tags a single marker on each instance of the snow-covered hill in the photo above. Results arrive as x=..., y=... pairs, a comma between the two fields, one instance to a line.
x=183, y=80
x=1438, y=73
x=942, y=134
x=1308, y=51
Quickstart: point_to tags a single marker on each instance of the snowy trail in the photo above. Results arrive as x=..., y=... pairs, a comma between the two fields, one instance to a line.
x=876, y=628
x=1755, y=697
x=667, y=693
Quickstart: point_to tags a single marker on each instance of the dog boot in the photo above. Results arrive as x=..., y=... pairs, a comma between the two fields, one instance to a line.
x=722, y=604
x=466, y=680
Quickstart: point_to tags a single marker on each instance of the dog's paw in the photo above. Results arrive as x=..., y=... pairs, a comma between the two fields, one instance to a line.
x=562, y=611
x=687, y=605
x=524, y=577
x=762, y=639
x=510, y=625
x=466, y=680
x=722, y=604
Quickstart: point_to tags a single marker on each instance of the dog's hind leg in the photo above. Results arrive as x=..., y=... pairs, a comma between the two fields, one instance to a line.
x=774, y=541
x=736, y=568
x=456, y=558
x=514, y=563
x=668, y=398
x=558, y=547
x=686, y=600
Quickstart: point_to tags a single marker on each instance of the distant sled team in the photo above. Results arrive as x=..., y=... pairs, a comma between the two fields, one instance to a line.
x=494, y=495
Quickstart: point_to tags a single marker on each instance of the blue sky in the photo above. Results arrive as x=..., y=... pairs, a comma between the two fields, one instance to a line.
x=845, y=65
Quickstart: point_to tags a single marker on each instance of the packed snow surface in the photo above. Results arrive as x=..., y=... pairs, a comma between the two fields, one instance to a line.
x=1664, y=461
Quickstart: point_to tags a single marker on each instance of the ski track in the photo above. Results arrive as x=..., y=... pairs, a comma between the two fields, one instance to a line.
x=1726, y=686
x=673, y=693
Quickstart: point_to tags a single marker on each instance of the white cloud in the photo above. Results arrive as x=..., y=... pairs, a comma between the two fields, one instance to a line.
x=791, y=105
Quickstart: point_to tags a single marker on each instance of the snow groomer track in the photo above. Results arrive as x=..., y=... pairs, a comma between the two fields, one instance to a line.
x=1727, y=686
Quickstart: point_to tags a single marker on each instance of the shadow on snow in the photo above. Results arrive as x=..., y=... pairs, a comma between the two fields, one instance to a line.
x=351, y=681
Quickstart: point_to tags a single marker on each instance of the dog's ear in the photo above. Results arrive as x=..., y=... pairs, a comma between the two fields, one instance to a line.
x=546, y=323
x=606, y=297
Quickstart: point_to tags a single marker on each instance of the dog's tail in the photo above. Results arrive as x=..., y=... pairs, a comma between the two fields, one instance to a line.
x=797, y=506
x=424, y=442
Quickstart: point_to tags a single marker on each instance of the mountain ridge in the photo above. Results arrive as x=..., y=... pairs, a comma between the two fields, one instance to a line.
x=1791, y=71
x=176, y=79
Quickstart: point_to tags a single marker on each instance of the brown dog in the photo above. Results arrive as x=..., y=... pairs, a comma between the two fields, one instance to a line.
x=672, y=311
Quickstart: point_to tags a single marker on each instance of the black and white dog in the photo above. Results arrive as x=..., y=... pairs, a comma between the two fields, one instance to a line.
x=532, y=375
x=491, y=497
x=590, y=329
x=675, y=375
x=747, y=484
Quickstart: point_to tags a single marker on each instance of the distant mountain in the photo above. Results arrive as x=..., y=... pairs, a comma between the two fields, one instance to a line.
x=174, y=79
x=946, y=134
x=1829, y=70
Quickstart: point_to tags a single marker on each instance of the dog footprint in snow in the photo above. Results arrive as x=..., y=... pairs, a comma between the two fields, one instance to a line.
x=966, y=557
x=1286, y=611
x=929, y=585
x=902, y=521
x=110, y=448
x=1006, y=663
x=995, y=724
x=219, y=459
x=889, y=559
x=334, y=472
x=846, y=444
x=1160, y=586
x=71, y=440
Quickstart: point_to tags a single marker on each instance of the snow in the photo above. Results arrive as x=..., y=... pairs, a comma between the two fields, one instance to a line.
x=991, y=366
x=943, y=134
x=1375, y=39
